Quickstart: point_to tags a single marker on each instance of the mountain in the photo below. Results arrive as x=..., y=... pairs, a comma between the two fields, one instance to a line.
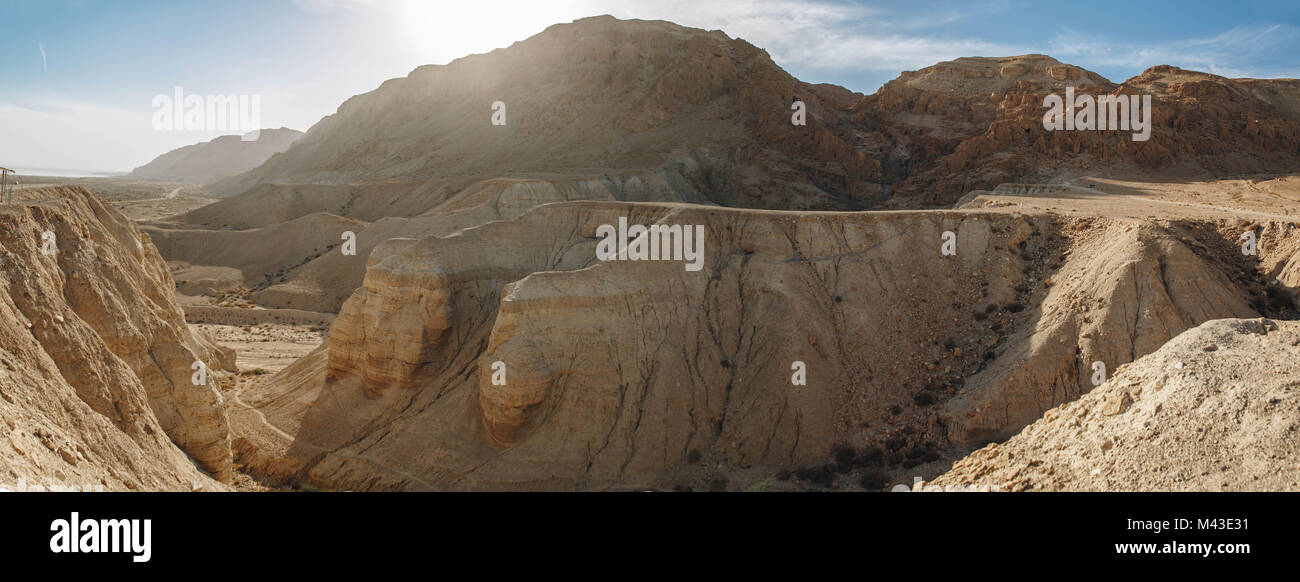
x=607, y=109
x=974, y=123
x=707, y=116
x=711, y=117
x=225, y=156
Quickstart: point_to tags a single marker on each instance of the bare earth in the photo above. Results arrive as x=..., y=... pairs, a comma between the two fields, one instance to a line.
x=264, y=347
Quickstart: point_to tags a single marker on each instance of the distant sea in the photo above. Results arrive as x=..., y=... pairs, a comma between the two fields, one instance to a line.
x=63, y=173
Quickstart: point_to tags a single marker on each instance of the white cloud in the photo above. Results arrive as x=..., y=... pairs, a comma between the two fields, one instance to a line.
x=813, y=38
x=832, y=36
x=824, y=35
x=1241, y=51
x=328, y=6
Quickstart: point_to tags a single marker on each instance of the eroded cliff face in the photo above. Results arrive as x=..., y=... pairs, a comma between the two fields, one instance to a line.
x=1126, y=288
x=97, y=372
x=977, y=122
x=1214, y=409
x=606, y=109
x=506, y=356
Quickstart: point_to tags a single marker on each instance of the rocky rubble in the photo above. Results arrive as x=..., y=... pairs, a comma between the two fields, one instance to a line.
x=1215, y=409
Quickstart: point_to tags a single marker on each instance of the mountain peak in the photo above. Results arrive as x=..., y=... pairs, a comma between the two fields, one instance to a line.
x=995, y=74
x=219, y=158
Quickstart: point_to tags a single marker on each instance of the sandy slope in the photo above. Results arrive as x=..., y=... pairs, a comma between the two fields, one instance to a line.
x=97, y=385
x=1215, y=409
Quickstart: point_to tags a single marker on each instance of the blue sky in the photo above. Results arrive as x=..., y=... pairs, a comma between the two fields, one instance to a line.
x=79, y=76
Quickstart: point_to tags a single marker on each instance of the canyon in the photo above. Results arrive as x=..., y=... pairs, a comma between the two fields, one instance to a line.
x=478, y=340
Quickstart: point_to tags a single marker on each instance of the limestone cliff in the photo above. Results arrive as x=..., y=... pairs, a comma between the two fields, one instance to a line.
x=96, y=384
x=631, y=374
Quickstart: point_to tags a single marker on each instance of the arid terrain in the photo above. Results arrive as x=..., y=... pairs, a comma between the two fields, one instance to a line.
x=921, y=282
x=222, y=157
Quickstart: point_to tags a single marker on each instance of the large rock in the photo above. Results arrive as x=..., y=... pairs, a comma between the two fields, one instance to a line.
x=1127, y=289
x=97, y=355
x=1215, y=409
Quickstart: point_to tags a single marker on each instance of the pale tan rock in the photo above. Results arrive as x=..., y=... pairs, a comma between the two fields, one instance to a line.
x=618, y=373
x=1222, y=422
x=101, y=362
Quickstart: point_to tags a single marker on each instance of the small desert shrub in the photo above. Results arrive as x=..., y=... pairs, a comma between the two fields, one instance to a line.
x=871, y=457
x=817, y=475
x=874, y=479
x=845, y=454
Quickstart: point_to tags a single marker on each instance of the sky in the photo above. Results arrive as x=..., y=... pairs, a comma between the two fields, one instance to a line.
x=78, y=78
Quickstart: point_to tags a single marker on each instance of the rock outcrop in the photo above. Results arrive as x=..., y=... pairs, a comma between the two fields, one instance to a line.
x=506, y=356
x=595, y=97
x=1132, y=287
x=96, y=388
x=1215, y=409
x=974, y=123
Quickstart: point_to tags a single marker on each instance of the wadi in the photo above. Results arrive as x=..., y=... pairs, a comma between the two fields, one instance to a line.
x=993, y=273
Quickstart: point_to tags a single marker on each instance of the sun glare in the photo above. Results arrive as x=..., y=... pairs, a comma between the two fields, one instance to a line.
x=442, y=32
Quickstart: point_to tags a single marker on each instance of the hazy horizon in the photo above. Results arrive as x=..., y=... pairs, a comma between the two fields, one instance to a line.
x=77, y=96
